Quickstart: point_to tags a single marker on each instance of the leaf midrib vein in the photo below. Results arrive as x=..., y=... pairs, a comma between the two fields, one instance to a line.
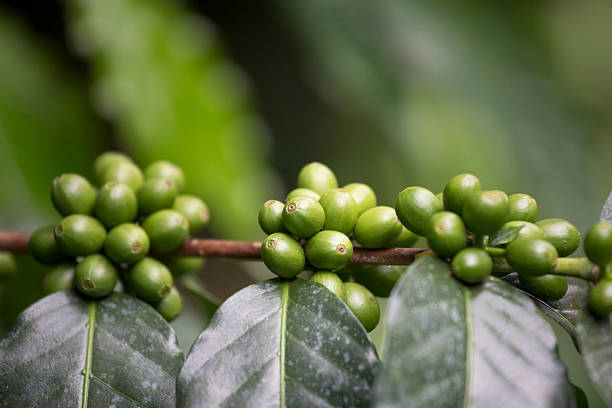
x=283, y=335
x=89, y=352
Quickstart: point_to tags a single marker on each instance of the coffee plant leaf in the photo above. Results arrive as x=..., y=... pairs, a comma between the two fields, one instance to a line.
x=595, y=340
x=67, y=351
x=280, y=343
x=451, y=345
x=505, y=235
x=606, y=211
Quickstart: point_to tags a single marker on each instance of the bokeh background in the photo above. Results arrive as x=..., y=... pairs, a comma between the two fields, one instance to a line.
x=242, y=94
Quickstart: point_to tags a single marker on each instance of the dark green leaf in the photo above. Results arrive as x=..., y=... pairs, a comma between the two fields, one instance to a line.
x=67, y=351
x=280, y=343
x=606, y=211
x=595, y=339
x=450, y=345
x=505, y=235
x=581, y=398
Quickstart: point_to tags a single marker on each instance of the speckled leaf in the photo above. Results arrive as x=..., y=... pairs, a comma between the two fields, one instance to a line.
x=280, y=343
x=606, y=211
x=450, y=345
x=565, y=311
x=595, y=339
x=67, y=351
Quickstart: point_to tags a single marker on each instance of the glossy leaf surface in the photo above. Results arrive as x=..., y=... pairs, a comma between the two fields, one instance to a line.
x=450, y=345
x=595, y=340
x=67, y=351
x=280, y=343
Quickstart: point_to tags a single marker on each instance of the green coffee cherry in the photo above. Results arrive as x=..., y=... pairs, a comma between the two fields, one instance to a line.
x=332, y=282
x=363, y=195
x=44, y=248
x=167, y=170
x=484, y=212
x=363, y=304
x=126, y=244
x=600, y=298
x=155, y=194
x=415, y=206
x=107, y=159
x=531, y=256
x=317, y=177
x=377, y=227
x=302, y=192
x=472, y=265
x=167, y=230
x=446, y=233
x=598, y=243
x=270, y=217
x=185, y=264
x=340, y=210
x=528, y=229
x=8, y=265
x=60, y=278
x=329, y=250
x=170, y=306
x=546, y=287
x=72, y=194
x=124, y=172
x=522, y=207
x=406, y=239
x=283, y=255
x=95, y=276
x=79, y=235
x=561, y=233
x=457, y=189
x=303, y=216
x=116, y=203
x=379, y=279
x=194, y=209
x=150, y=280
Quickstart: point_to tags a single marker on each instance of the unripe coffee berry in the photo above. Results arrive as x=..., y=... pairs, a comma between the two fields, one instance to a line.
x=364, y=196
x=548, y=288
x=270, y=217
x=150, y=280
x=472, y=265
x=415, y=206
x=484, y=212
x=116, y=203
x=167, y=170
x=179, y=266
x=8, y=265
x=363, y=304
x=330, y=250
x=44, y=248
x=155, y=194
x=106, y=159
x=72, y=194
x=340, y=210
x=126, y=243
x=95, y=276
x=598, y=243
x=303, y=216
x=124, y=172
x=522, y=207
x=561, y=233
x=283, y=255
x=170, y=306
x=332, y=282
x=527, y=229
x=406, y=239
x=80, y=235
x=194, y=210
x=302, y=192
x=600, y=298
x=446, y=233
x=317, y=177
x=61, y=277
x=167, y=230
x=457, y=189
x=379, y=279
x=377, y=227
x=532, y=257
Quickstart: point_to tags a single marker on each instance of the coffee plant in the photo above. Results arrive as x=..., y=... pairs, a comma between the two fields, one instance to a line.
x=465, y=324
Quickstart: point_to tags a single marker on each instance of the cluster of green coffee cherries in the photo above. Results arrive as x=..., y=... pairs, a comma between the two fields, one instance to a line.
x=315, y=227
x=104, y=239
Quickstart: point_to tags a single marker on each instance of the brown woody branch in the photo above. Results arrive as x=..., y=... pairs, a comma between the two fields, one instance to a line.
x=217, y=248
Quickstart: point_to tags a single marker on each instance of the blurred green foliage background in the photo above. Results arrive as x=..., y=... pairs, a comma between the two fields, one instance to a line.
x=242, y=94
